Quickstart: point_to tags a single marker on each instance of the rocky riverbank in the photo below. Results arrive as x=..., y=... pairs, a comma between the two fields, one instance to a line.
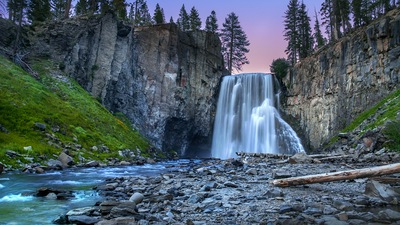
x=239, y=191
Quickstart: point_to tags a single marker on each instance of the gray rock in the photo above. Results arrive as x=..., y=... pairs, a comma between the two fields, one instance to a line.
x=383, y=191
x=83, y=220
x=123, y=209
x=40, y=126
x=81, y=211
x=342, y=205
x=300, y=158
x=136, y=198
x=66, y=160
x=119, y=221
x=54, y=163
x=389, y=214
x=12, y=154
x=92, y=164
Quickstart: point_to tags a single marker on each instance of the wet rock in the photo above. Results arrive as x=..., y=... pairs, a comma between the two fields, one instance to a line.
x=55, y=164
x=105, y=207
x=389, y=215
x=92, y=163
x=383, y=191
x=39, y=170
x=83, y=220
x=331, y=220
x=1, y=168
x=80, y=211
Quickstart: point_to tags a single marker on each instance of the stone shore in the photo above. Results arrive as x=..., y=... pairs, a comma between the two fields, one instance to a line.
x=239, y=191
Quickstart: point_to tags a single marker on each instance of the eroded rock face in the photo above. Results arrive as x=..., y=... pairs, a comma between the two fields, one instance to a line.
x=329, y=89
x=165, y=81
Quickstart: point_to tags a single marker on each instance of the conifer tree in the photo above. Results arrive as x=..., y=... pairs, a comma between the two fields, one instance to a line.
x=58, y=9
x=291, y=31
x=234, y=43
x=318, y=37
x=305, y=42
x=279, y=67
x=39, y=11
x=183, y=19
x=211, y=23
x=16, y=10
x=171, y=20
x=158, y=16
x=143, y=17
x=82, y=7
x=119, y=6
x=194, y=19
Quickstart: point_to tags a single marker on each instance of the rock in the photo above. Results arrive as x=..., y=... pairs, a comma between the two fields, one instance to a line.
x=252, y=171
x=389, y=215
x=66, y=160
x=279, y=174
x=230, y=184
x=3, y=129
x=300, y=158
x=119, y=221
x=136, y=198
x=55, y=164
x=83, y=220
x=123, y=209
x=39, y=170
x=81, y=211
x=342, y=205
x=105, y=207
x=12, y=154
x=92, y=164
x=1, y=168
x=383, y=191
x=40, y=126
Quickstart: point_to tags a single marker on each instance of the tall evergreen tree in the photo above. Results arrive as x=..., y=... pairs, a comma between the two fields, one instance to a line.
x=211, y=23
x=58, y=9
x=234, y=43
x=158, y=16
x=305, y=42
x=139, y=13
x=16, y=10
x=68, y=5
x=194, y=19
x=39, y=11
x=318, y=37
x=119, y=6
x=171, y=20
x=183, y=19
x=82, y=7
x=291, y=31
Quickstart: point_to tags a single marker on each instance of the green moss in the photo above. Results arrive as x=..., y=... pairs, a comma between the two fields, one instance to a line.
x=58, y=103
x=392, y=131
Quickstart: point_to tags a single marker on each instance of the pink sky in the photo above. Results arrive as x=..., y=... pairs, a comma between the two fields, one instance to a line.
x=262, y=20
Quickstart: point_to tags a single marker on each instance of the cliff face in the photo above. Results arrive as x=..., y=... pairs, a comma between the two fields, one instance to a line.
x=163, y=80
x=329, y=89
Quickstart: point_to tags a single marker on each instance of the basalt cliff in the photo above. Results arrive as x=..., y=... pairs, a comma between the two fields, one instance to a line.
x=164, y=80
x=327, y=90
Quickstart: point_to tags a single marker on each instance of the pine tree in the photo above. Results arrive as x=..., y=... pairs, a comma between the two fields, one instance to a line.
x=158, y=16
x=171, y=20
x=211, y=23
x=142, y=17
x=39, y=11
x=16, y=10
x=194, y=19
x=82, y=7
x=119, y=6
x=305, y=42
x=234, y=43
x=58, y=9
x=291, y=31
x=183, y=20
x=318, y=37
x=105, y=6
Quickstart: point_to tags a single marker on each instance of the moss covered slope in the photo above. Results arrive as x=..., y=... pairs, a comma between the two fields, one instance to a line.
x=53, y=113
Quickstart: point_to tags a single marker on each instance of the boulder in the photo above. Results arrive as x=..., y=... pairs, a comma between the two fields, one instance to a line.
x=81, y=211
x=83, y=220
x=1, y=168
x=300, y=157
x=118, y=221
x=136, y=198
x=66, y=160
x=123, y=209
x=383, y=191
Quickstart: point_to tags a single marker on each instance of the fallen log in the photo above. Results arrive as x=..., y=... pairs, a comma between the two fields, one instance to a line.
x=342, y=175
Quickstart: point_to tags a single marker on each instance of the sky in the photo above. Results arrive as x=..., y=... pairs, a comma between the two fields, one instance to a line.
x=261, y=20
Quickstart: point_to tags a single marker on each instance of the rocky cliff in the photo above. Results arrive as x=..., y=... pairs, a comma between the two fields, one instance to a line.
x=164, y=80
x=329, y=89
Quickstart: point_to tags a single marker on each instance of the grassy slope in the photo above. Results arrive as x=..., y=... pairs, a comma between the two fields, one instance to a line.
x=58, y=103
x=386, y=113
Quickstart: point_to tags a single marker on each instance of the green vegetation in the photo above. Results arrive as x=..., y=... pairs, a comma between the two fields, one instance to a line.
x=70, y=115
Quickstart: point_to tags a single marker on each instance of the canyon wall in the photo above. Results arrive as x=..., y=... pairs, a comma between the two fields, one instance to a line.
x=164, y=80
x=327, y=90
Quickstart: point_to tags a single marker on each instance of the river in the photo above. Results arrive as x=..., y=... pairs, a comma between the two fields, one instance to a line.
x=18, y=206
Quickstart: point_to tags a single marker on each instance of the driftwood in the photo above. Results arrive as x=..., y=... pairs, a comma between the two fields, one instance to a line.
x=343, y=175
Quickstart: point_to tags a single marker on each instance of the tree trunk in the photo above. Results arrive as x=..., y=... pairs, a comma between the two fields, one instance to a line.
x=67, y=9
x=343, y=175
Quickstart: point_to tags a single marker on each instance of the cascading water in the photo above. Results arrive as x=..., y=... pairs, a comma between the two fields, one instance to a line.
x=247, y=120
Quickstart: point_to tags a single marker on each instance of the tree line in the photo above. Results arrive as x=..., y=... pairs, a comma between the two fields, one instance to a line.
x=339, y=17
x=233, y=38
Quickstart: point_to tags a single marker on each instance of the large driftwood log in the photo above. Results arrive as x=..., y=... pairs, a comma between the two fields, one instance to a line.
x=343, y=175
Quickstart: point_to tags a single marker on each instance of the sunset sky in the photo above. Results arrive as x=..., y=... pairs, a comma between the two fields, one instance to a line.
x=262, y=20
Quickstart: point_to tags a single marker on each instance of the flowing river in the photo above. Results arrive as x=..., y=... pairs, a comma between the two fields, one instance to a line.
x=18, y=206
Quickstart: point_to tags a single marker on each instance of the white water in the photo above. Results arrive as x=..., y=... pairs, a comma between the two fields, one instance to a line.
x=247, y=120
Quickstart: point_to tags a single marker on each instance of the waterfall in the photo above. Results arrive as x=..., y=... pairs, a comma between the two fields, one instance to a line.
x=247, y=120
